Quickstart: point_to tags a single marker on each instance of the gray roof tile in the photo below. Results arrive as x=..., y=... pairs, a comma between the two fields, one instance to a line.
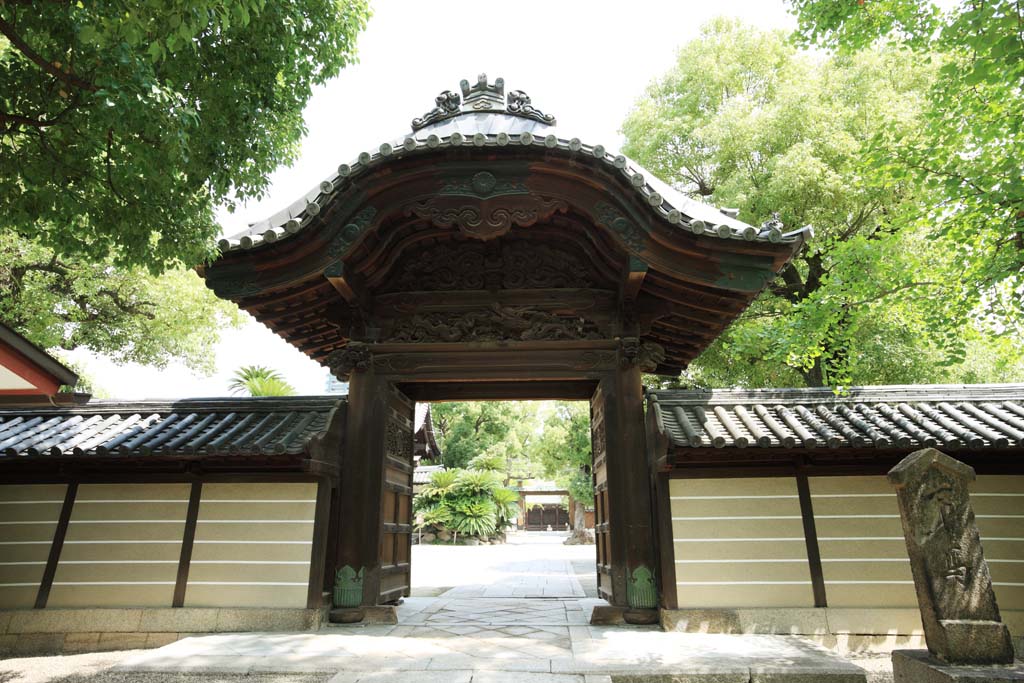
x=942, y=416
x=212, y=427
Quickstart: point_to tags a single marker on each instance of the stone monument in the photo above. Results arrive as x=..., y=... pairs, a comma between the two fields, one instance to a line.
x=966, y=639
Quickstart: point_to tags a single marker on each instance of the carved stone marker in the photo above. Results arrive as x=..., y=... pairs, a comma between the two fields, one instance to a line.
x=954, y=588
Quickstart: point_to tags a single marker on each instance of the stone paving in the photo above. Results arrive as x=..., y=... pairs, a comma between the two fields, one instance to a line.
x=496, y=637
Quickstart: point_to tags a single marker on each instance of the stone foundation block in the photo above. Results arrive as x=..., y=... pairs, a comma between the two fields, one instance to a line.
x=122, y=641
x=74, y=620
x=260, y=619
x=919, y=666
x=38, y=644
x=179, y=619
x=747, y=621
x=160, y=639
x=81, y=642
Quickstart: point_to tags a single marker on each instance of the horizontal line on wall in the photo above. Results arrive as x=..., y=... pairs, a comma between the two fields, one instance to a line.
x=20, y=564
x=127, y=521
x=49, y=542
x=243, y=500
x=861, y=538
x=729, y=497
x=854, y=583
x=302, y=562
x=997, y=495
x=856, y=516
x=1006, y=561
x=737, y=517
x=743, y=583
x=867, y=559
x=63, y=562
x=113, y=583
x=247, y=583
x=1014, y=585
x=257, y=542
x=854, y=495
x=255, y=521
x=999, y=516
x=802, y=560
x=102, y=542
x=133, y=500
x=29, y=502
x=736, y=540
x=25, y=523
x=18, y=585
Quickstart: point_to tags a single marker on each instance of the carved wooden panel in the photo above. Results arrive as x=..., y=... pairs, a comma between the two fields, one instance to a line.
x=396, y=500
x=602, y=529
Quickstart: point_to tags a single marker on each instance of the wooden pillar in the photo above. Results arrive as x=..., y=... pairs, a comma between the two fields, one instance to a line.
x=629, y=514
x=362, y=482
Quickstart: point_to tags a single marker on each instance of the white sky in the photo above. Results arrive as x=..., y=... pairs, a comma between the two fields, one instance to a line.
x=584, y=61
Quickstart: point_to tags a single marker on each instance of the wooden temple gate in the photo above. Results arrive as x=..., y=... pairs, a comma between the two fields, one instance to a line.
x=486, y=257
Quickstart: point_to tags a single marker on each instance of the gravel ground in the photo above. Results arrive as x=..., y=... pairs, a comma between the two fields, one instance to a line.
x=92, y=668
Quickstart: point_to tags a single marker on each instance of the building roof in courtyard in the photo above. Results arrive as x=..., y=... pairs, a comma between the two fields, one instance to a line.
x=951, y=417
x=24, y=366
x=485, y=117
x=195, y=428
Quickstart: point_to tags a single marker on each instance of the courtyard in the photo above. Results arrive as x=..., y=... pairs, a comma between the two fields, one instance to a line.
x=482, y=614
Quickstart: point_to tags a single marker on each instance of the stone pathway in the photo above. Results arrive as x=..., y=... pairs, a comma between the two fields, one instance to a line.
x=486, y=631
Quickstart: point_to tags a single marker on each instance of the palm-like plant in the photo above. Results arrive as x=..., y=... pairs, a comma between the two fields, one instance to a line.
x=506, y=502
x=258, y=380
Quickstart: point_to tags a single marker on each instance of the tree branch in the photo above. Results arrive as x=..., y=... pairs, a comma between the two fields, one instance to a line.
x=49, y=67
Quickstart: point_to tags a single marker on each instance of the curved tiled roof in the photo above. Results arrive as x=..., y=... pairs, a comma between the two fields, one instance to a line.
x=981, y=416
x=202, y=427
x=507, y=126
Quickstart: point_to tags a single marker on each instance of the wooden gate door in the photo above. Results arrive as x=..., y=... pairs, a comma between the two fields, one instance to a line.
x=602, y=528
x=396, y=499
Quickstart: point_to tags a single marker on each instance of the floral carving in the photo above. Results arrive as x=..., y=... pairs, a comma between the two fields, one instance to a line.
x=496, y=323
x=355, y=357
x=611, y=218
x=473, y=266
x=351, y=232
x=487, y=219
x=645, y=355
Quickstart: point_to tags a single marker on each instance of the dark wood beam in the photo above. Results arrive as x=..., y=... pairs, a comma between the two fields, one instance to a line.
x=578, y=390
x=56, y=546
x=187, y=542
x=811, y=539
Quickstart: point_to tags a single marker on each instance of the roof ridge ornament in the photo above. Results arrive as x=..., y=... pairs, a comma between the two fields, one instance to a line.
x=481, y=97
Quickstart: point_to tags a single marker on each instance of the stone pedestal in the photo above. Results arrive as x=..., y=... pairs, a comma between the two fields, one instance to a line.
x=918, y=666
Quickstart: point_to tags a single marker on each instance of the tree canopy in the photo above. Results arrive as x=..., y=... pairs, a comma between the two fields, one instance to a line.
x=745, y=120
x=563, y=449
x=67, y=302
x=487, y=429
x=123, y=125
x=968, y=148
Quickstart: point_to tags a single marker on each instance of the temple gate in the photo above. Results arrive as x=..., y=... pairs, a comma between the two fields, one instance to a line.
x=486, y=256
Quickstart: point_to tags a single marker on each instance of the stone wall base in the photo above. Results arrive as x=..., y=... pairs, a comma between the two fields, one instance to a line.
x=918, y=666
x=56, y=631
x=838, y=628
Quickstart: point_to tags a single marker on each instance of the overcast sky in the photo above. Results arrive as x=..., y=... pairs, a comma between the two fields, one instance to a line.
x=583, y=61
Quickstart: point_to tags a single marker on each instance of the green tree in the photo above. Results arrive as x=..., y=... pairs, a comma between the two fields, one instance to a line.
x=258, y=380
x=126, y=314
x=123, y=125
x=563, y=452
x=967, y=151
x=745, y=120
x=493, y=429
